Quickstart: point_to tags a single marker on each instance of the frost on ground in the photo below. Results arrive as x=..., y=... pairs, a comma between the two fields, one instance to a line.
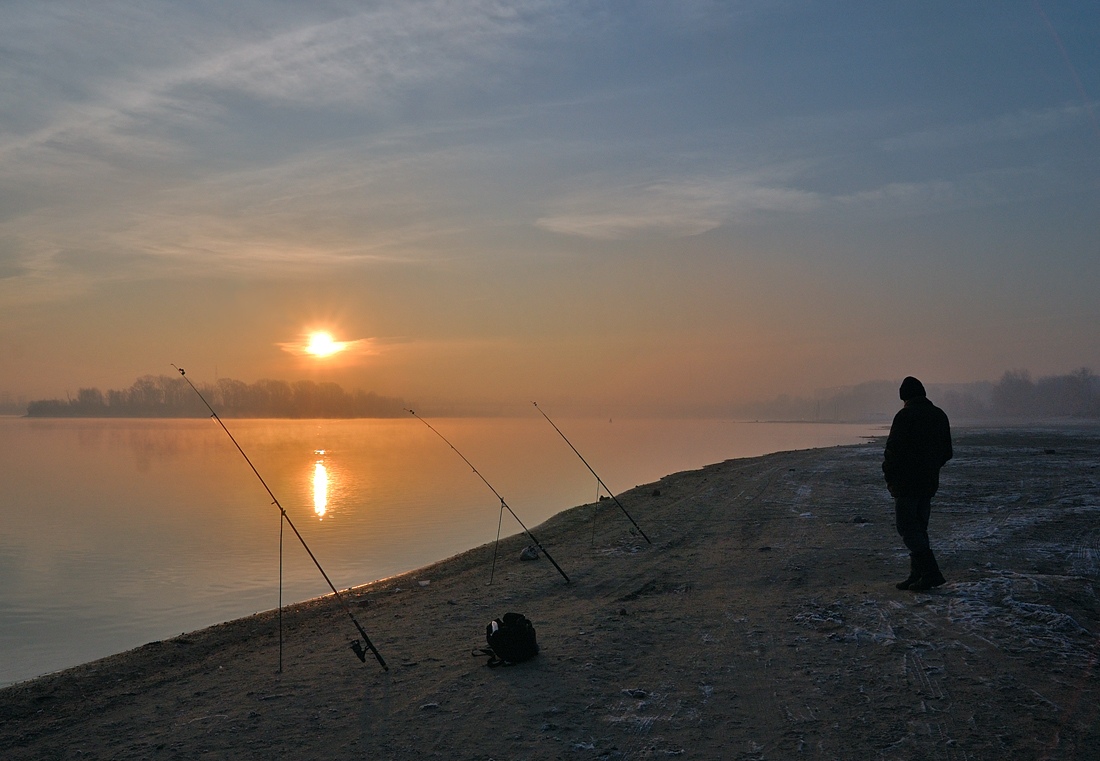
x=1002, y=660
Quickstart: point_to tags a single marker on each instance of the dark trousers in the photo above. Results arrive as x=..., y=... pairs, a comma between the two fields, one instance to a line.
x=911, y=517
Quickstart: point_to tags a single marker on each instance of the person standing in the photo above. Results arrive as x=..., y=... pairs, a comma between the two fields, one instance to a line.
x=919, y=445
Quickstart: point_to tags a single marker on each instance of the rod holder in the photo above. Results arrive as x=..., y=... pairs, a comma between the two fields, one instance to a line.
x=357, y=648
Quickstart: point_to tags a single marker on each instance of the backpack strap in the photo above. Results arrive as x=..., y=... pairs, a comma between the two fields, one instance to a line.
x=494, y=659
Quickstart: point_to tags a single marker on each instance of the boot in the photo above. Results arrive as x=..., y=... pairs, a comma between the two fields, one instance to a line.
x=914, y=573
x=930, y=573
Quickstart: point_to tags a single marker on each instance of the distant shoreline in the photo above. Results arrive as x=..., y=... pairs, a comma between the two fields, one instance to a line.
x=1015, y=399
x=173, y=396
x=1007, y=423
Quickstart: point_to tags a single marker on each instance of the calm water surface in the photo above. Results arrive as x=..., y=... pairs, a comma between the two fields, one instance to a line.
x=114, y=533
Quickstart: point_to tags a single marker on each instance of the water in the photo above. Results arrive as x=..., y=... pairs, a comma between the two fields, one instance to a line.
x=114, y=533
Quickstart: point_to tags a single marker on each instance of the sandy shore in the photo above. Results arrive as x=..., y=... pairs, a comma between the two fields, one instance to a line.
x=762, y=623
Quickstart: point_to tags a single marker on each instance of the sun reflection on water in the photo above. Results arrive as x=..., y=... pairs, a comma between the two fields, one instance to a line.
x=320, y=486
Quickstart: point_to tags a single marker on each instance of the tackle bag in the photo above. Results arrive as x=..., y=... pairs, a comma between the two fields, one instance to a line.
x=511, y=640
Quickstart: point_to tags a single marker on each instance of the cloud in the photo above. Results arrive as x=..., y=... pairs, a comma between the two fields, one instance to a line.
x=202, y=77
x=364, y=200
x=960, y=191
x=1021, y=125
x=903, y=194
x=159, y=142
x=386, y=50
x=670, y=209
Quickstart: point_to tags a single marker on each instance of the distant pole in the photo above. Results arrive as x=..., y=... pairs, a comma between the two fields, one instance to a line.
x=281, y=524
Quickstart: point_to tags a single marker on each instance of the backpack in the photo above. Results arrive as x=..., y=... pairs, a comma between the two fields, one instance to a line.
x=511, y=640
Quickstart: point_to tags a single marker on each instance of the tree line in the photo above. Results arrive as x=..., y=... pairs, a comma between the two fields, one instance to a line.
x=171, y=396
x=1076, y=395
x=1015, y=397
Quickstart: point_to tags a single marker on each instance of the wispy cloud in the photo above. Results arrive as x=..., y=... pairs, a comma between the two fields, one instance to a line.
x=380, y=53
x=366, y=60
x=954, y=193
x=906, y=195
x=671, y=208
x=127, y=159
x=1020, y=125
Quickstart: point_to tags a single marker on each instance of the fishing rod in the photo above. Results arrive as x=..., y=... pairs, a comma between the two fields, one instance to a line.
x=503, y=505
x=356, y=646
x=598, y=479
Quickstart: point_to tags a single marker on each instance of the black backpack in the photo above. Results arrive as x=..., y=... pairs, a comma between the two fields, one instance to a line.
x=511, y=640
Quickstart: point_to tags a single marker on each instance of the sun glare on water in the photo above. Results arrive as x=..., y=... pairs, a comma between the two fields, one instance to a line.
x=320, y=488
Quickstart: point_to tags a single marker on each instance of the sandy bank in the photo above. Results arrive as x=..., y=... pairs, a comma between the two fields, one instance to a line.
x=761, y=623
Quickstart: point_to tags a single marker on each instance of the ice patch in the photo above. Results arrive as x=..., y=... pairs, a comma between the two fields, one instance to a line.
x=990, y=610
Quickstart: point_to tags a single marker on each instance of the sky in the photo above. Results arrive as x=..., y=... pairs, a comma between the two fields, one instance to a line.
x=652, y=205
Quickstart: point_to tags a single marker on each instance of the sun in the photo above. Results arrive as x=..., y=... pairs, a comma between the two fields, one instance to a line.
x=321, y=345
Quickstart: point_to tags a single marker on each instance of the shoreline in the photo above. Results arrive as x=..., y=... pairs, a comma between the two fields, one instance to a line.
x=762, y=617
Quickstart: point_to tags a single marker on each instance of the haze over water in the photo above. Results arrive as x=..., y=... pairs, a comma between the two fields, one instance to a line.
x=114, y=533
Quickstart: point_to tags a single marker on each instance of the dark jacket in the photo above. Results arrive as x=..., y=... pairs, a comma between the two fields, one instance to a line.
x=918, y=446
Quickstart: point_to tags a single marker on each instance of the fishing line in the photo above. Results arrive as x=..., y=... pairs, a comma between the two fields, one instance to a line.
x=1086, y=102
x=355, y=646
x=503, y=505
x=598, y=479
